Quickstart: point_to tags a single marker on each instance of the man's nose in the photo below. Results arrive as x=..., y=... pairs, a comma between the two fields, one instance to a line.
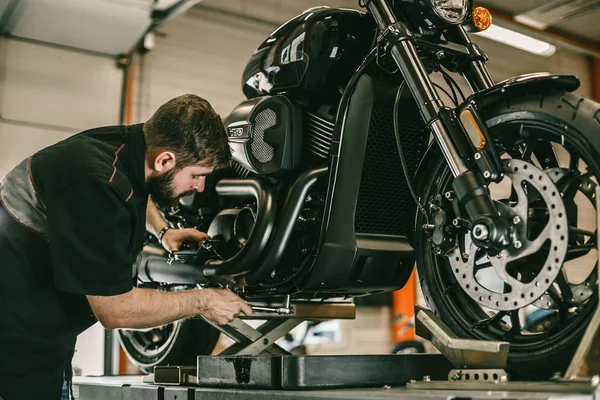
x=198, y=186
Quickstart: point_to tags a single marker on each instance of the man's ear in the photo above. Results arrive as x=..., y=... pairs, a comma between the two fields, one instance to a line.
x=164, y=161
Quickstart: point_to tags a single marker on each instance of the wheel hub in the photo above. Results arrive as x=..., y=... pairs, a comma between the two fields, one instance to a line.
x=553, y=237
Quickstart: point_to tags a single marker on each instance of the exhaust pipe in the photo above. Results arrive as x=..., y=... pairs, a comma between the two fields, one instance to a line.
x=285, y=225
x=263, y=192
x=154, y=267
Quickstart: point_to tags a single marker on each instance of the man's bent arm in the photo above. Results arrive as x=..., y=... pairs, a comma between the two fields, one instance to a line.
x=173, y=238
x=146, y=308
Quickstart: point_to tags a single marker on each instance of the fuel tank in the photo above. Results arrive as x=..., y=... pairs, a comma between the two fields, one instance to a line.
x=312, y=55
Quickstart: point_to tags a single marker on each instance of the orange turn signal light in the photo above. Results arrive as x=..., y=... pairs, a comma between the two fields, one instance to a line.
x=482, y=18
x=472, y=128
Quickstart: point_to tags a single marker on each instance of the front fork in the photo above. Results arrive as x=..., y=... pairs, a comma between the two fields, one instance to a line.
x=461, y=135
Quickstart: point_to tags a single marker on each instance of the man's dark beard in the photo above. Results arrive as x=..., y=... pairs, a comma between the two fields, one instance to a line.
x=162, y=191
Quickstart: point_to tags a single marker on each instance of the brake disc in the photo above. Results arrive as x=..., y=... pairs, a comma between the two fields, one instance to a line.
x=584, y=290
x=555, y=233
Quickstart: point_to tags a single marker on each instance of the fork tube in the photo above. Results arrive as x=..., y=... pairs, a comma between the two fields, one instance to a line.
x=417, y=79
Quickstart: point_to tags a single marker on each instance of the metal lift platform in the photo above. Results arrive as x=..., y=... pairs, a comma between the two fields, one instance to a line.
x=132, y=388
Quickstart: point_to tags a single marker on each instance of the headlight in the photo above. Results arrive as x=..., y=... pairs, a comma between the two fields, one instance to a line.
x=451, y=11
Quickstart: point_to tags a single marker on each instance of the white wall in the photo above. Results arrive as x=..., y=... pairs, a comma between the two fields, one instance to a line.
x=46, y=95
x=202, y=53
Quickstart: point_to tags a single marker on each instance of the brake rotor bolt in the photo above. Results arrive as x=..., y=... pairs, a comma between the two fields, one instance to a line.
x=518, y=244
x=516, y=220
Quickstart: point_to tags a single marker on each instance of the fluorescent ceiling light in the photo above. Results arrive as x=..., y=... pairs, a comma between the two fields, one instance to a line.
x=518, y=40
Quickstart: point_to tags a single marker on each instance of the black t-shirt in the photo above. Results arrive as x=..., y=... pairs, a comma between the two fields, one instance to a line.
x=72, y=222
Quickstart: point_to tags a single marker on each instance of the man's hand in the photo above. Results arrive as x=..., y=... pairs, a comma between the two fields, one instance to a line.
x=174, y=238
x=221, y=306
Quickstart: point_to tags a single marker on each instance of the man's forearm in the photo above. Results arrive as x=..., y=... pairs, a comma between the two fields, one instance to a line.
x=154, y=220
x=146, y=308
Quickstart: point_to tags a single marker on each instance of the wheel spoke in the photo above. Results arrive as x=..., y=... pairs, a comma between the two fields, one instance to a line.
x=581, y=250
x=560, y=302
x=452, y=287
x=554, y=295
x=515, y=325
x=544, y=152
x=528, y=151
x=574, y=162
x=565, y=288
x=569, y=184
x=576, y=230
x=479, y=267
x=515, y=321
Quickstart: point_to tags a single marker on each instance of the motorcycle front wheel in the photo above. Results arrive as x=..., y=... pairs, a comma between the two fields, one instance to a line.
x=559, y=134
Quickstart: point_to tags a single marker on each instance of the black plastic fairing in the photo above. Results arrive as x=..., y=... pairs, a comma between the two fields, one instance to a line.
x=349, y=262
x=313, y=54
x=529, y=84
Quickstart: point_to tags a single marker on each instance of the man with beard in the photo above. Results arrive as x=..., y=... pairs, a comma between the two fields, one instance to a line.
x=72, y=222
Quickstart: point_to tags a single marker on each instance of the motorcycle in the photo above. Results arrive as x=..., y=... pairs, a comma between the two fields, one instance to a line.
x=349, y=168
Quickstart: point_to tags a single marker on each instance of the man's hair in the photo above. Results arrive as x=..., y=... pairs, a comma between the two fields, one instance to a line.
x=189, y=127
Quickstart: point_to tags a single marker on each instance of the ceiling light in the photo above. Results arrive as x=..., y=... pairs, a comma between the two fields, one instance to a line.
x=518, y=40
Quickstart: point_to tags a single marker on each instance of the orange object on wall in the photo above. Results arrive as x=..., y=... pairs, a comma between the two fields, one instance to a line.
x=128, y=105
x=596, y=77
x=403, y=311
